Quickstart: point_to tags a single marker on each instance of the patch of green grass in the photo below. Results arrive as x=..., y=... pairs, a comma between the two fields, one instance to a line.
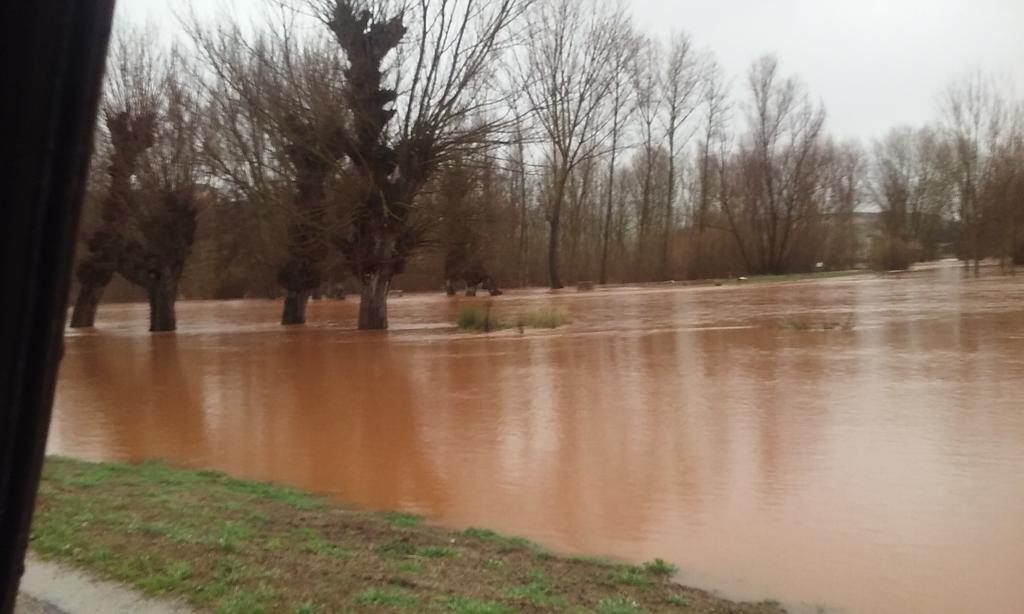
x=678, y=600
x=390, y=597
x=438, y=552
x=477, y=318
x=506, y=541
x=266, y=490
x=632, y=576
x=658, y=567
x=171, y=578
x=409, y=567
x=537, y=594
x=178, y=530
x=538, y=591
x=481, y=533
x=246, y=601
x=594, y=560
x=396, y=547
x=403, y=519
x=617, y=605
x=466, y=605
x=541, y=318
x=314, y=542
x=231, y=532
x=307, y=607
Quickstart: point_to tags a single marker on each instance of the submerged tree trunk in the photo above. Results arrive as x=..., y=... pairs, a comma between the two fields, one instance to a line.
x=162, y=295
x=84, y=314
x=373, y=303
x=295, y=302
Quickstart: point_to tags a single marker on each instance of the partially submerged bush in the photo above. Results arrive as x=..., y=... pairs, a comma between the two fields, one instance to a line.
x=479, y=318
x=541, y=318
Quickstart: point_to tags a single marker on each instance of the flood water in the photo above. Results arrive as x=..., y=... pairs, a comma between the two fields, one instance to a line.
x=854, y=443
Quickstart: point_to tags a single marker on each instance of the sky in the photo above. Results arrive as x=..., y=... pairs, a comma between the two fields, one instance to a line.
x=874, y=64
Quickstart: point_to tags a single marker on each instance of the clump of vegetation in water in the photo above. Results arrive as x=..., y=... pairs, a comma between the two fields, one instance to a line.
x=479, y=318
x=541, y=318
x=230, y=545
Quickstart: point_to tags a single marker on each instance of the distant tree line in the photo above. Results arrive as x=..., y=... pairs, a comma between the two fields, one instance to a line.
x=465, y=143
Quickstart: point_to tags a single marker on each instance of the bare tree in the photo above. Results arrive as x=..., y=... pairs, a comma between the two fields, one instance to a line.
x=974, y=119
x=646, y=75
x=772, y=201
x=842, y=193
x=622, y=107
x=681, y=96
x=566, y=78
x=714, y=125
x=909, y=183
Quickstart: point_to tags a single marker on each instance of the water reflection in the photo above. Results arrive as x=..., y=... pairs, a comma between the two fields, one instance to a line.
x=875, y=469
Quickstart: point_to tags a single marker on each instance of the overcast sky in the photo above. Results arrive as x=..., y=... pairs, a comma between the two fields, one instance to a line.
x=874, y=63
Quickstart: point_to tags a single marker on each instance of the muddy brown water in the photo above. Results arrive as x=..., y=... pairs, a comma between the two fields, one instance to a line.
x=855, y=444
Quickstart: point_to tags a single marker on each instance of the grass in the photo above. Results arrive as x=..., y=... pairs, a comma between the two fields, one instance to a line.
x=659, y=567
x=538, y=591
x=541, y=318
x=478, y=317
x=227, y=545
x=382, y=596
x=617, y=605
x=403, y=519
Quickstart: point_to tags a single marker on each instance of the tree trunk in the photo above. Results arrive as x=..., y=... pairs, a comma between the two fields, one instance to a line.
x=606, y=238
x=373, y=303
x=523, y=262
x=555, y=222
x=295, y=302
x=666, y=240
x=84, y=314
x=162, y=295
x=556, y=280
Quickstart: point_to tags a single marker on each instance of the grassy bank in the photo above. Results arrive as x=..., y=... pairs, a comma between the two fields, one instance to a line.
x=230, y=545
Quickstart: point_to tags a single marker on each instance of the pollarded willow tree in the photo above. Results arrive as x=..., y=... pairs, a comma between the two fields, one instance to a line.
x=277, y=141
x=130, y=108
x=416, y=95
x=150, y=208
x=158, y=240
